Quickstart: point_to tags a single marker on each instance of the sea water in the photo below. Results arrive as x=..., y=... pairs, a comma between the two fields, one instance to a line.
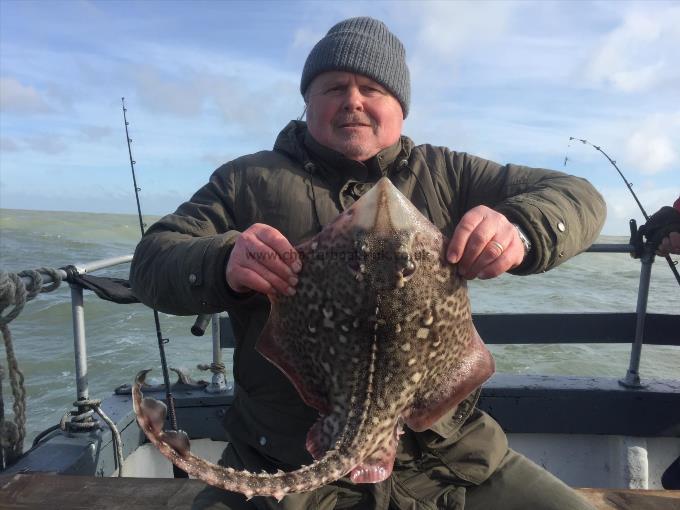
x=121, y=339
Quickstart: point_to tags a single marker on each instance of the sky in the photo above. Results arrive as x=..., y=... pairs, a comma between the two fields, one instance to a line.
x=206, y=82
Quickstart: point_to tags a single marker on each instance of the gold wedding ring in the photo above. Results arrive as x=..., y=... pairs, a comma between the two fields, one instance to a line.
x=498, y=245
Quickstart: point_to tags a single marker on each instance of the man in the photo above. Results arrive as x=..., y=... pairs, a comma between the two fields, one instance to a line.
x=229, y=246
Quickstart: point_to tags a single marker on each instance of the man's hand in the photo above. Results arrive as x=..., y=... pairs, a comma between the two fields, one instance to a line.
x=485, y=244
x=669, y=244
x=264, y=261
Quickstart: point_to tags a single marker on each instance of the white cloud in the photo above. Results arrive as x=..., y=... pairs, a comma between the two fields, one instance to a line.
x=449, y=27
x=654, y=153
x=639, y=79
x=498, y=79
x=95, y=133
x=268, y=104
x=445, y=38
x=641, y=53
x=8, y=144
x=653, y=146
x=47, y=144
x=621, y=206
x=44, y=144
x=304, y=38
x=18, y=98
x=247, y=95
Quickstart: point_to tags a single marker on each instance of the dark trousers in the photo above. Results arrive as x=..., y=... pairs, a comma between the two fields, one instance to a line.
x=517, y=484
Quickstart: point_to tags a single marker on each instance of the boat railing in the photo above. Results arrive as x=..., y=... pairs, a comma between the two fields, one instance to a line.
x=501, y=396
x=78, y=313
x=222, y=336
x=218, y=383
x=647, y=255
x=632, y=378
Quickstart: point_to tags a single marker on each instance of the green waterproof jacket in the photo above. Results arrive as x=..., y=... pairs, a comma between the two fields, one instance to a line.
x=299, y=186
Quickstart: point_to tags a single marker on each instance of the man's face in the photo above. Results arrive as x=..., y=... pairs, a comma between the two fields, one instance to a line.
x=352, y=114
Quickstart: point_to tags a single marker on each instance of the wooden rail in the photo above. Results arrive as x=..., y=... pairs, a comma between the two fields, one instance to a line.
x=626, y=499
x=39, y=491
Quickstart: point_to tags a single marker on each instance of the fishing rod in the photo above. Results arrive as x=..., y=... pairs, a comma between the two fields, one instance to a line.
x=170, y=400
x=629, y=185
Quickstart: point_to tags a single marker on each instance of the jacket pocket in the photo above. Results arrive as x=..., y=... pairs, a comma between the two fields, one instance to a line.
x=466, y=441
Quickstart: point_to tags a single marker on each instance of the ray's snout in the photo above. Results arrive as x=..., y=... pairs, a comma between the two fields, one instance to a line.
x=388, y=237
x=384, y=208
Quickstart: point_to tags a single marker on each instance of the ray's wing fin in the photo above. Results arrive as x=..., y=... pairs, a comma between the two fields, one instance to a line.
x=281, y=347
x=452, y=386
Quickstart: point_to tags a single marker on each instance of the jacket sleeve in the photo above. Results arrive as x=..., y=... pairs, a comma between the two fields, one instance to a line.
x=561, y=214
x=179, y=264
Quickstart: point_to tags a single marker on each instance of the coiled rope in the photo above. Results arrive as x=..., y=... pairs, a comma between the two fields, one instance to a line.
x=14, y=293
x=81, y=420
x=215, y=368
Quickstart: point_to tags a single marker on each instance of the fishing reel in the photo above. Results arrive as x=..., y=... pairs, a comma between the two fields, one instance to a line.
x=646, y=239
x=637, y=242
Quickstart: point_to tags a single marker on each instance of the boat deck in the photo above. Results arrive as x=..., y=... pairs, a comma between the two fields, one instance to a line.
x=28, y=491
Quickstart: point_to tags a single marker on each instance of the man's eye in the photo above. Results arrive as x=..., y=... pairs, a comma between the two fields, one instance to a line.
x=336, y=89
x=372, y=91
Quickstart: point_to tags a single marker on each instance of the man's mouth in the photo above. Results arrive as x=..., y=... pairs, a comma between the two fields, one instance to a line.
x=354, y=124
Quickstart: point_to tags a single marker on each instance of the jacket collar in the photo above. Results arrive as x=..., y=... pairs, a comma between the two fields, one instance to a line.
x=371, y=169
x=337, y=170
x=345, y=179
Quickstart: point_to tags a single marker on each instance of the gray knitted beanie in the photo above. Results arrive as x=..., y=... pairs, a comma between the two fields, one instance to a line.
x=363, y=46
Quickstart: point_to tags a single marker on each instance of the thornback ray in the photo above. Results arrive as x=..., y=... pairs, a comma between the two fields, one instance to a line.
x=378, y=335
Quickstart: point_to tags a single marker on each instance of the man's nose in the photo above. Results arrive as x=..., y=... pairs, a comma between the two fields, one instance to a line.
x=353, y=100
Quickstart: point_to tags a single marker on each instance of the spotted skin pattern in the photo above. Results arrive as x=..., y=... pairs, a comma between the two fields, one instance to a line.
x=379, y=334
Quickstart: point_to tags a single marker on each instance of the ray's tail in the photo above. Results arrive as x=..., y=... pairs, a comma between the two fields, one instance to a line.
x=174, y=445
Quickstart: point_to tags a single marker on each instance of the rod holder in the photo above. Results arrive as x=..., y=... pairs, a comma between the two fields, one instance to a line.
x=632, y=378
x=201, y=324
